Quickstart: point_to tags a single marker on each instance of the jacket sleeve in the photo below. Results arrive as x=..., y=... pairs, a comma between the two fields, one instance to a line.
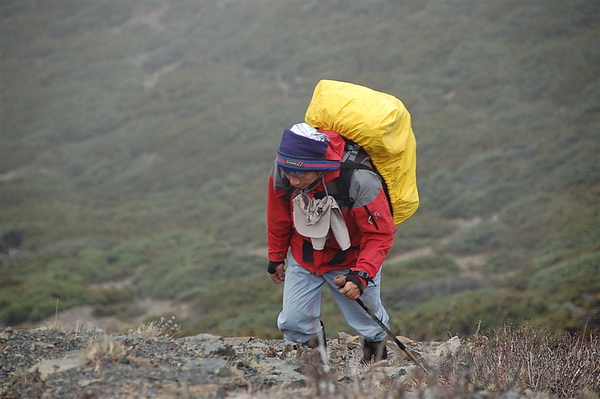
x=279, y=222
x=374, y=220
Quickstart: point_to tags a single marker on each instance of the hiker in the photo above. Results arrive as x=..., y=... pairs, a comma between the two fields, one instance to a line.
x=314, y=234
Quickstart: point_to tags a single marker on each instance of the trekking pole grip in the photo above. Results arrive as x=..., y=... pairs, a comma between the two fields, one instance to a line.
x=340, y=280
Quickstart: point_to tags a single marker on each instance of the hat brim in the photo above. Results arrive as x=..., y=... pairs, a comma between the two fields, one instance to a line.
x=307, y=223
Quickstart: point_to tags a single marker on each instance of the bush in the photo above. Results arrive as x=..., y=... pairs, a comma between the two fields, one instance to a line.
x=531, y=217
x=503, y=261
x=565, y=365
x=419, y=268
x=420, y=230
x=575, y=276
x=570, y=240
x=459, y=313
x=10, y=240
x=478, y=239
x=422, y=291
x=33, y=302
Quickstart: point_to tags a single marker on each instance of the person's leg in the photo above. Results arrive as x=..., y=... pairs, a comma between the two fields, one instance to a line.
x=299, y=318
x=373, y=336
x=355, y=315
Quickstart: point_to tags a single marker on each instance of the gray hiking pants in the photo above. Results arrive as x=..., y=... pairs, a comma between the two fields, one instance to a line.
x=299, y=320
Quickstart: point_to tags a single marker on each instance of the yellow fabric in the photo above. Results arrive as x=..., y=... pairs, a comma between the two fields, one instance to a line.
x=379, y=123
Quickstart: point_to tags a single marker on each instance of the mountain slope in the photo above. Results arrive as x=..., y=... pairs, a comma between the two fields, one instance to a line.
x=138, y=135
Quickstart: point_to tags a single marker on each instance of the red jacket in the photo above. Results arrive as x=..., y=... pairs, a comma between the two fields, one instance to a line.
x=369, y=222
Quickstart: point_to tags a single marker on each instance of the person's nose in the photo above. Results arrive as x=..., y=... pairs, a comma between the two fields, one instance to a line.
x=294, y=181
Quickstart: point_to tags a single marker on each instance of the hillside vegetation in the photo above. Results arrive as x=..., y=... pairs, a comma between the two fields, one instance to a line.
x=137, y=136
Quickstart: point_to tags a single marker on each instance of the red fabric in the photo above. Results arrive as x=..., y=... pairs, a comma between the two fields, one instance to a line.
x=371, y=233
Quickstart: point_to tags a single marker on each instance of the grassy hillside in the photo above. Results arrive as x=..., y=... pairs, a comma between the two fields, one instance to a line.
x=137, y=137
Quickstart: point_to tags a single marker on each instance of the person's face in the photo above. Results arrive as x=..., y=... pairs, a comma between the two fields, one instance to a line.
x=301, y=181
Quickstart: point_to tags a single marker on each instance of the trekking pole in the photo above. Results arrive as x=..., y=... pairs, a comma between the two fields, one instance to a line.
x=340, y=281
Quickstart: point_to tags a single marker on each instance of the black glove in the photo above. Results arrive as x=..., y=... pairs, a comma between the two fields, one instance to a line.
x=272, y=266
x=355, y=278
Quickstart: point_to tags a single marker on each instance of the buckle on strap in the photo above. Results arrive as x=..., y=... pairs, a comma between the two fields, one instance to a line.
x=361, y=273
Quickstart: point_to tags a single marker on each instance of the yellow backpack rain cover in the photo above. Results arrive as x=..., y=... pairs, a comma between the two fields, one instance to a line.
x=380, y=124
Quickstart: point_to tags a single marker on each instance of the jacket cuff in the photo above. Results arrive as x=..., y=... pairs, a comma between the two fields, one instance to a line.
x=279, y=256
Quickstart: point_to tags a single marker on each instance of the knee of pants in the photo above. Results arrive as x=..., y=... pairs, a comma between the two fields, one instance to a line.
x=296, y=329
x=284, y=325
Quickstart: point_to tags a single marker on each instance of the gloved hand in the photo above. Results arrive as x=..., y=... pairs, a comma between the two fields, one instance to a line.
x=356, y=279
x=276, y=271
x=354, y=287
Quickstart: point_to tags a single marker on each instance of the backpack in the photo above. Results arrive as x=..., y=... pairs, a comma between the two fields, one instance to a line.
x=380, y=124
x=355, y=157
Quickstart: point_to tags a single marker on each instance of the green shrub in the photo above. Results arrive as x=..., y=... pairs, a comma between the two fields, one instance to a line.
x=424, y=290
x=33, y=302
x=429, y=263
x=405, y=273
x=122, y=311
x=10, y=240
x=114, y=295
x=420, y=230
x=477, y=239
x=574, y=238
x=466, y=312
x=573, y=277
x=531, y=217
x=503, y=261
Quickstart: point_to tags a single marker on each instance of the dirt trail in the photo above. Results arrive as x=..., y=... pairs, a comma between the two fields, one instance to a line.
x=83, y=316
x=469, y=264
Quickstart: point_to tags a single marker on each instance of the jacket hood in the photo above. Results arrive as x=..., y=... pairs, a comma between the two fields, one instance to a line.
x=335, y=152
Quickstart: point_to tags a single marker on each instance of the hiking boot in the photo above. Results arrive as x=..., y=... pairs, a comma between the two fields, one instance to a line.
x=313, y=343
x=374, y=350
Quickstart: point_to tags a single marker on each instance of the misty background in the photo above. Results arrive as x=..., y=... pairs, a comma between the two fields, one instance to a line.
x=137, y=137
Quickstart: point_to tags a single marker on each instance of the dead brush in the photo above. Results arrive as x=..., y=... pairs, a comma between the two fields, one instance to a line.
x=156, y=328
x=565, y=365
x=104, y=349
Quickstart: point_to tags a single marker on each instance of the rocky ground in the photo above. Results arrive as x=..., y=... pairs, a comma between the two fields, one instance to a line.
x=59, y=363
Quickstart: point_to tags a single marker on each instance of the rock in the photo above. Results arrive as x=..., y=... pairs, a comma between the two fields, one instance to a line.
x=448, y=347
x=442, y=350
x=49, y=363
x=211, y=345
x=49, y=366
x=218, y=367
x=85, y=383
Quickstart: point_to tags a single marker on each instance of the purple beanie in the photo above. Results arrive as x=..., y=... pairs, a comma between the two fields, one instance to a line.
x=302, y=147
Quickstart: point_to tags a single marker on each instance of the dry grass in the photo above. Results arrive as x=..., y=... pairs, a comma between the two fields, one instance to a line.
x=565, y=365
x=104, y=349
x=520, y=362
x=525, y=360
x=156, y=328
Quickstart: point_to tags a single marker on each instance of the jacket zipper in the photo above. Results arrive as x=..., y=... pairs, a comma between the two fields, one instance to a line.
x=371, y=218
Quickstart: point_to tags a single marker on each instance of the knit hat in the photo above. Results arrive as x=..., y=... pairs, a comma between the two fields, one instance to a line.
x=302, y=147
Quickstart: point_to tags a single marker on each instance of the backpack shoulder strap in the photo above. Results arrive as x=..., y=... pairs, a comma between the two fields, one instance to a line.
x=354, y=158
x=342, y=183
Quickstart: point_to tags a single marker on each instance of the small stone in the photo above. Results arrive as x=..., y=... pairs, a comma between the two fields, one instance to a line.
x=85, y=383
